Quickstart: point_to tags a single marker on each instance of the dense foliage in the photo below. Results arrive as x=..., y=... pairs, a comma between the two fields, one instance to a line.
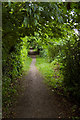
x=48, y=27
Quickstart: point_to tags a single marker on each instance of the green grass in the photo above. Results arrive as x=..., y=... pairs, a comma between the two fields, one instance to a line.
x=50, y=72
x=26, y=64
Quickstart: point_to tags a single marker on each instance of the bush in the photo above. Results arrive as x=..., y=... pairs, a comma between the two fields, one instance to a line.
x=71, y=69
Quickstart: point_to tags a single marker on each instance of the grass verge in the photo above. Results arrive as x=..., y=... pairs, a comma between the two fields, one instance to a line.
x=50, y=72
x=26, y=64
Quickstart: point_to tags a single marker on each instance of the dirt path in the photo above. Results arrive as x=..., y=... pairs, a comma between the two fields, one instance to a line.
x=37, y=100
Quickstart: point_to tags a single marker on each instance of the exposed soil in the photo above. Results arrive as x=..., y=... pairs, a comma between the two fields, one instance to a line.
x=37, y=100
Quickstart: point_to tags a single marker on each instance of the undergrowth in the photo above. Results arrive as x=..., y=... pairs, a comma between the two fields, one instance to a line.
x=11, y=87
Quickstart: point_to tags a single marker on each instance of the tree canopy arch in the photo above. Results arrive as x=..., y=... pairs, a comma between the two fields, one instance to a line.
x=50, y=27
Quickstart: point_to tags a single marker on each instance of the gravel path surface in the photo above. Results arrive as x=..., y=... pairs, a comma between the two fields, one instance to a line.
x=37, y=101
